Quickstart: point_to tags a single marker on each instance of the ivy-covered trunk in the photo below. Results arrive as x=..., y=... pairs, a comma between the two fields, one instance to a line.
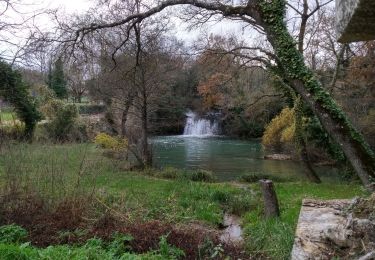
x=302, y=80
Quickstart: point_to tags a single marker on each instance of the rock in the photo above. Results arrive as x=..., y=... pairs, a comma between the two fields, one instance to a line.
x=318, y=221
x=328, y=229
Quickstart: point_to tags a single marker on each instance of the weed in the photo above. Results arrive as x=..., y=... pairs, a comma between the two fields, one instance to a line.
x=120, y=244
x=12, y=234
x=168, y=251
x=202, y=175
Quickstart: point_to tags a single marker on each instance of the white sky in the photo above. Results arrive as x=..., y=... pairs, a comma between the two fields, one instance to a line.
x=71, y=6
x=27, y=7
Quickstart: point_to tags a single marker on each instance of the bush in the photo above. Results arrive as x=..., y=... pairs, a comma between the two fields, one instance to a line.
x=14, y=90
x=202, y=175
x=62, y=119
x=12, y=131
x=280, y=130
x=109, y=142
x=12, y=234
x=169, y=173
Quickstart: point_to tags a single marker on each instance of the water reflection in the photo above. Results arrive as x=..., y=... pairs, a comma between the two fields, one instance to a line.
x=227, y=158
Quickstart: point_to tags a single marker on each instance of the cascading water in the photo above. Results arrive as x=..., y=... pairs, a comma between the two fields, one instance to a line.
x=200, y=126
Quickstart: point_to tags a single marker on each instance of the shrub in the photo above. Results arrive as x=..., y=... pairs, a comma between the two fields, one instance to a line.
x=12, y=234
x=14, y=90
x=169, y=173
x=62, y=118
x=202, y=175
x=280, y=130
x=13, y=131
x=109, y=142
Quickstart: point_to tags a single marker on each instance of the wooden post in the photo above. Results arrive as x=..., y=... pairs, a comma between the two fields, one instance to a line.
x=271, y=205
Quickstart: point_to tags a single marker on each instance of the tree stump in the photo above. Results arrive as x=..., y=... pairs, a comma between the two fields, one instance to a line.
x=271, y=205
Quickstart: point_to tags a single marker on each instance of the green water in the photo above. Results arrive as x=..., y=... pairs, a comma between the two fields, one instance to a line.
x=227, y=158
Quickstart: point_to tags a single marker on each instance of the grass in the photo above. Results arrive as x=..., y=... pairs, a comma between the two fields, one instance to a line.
x=55, y=172
x=135, y=194
x=275, y=237
x=8, y=116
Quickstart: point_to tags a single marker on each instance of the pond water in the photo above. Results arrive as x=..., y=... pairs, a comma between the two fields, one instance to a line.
x=227, y=158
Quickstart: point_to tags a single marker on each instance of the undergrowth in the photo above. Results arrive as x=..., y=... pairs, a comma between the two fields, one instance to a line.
x=118, y=248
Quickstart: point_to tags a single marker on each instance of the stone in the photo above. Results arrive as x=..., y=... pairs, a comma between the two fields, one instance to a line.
x=319, y=220
x=333, y=228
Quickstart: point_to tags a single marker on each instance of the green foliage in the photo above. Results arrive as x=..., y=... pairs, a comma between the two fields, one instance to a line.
x=170, y=173
x=57, y=80
x=77, y=233
x=15, y=91
x=202, y=176
x=7, y=116
x=316, y=133
x=93, y=250
x=14, y=131
x=119, y=244
x=62, y=119
x=12, y=234
x=168, y=251
x=43, y=94
x=208, y=248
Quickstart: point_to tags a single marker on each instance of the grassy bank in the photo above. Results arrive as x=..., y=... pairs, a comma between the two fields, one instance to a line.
x=59, y=172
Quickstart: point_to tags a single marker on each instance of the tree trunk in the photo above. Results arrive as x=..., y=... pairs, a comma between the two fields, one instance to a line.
x=301, y=142
x=124, y=117
x=145, y=148
x=302, y=80
x=128, y=103
x=271, y=205
x=311, y=173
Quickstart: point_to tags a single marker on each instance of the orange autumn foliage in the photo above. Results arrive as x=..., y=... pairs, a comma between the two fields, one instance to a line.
x=212, y=90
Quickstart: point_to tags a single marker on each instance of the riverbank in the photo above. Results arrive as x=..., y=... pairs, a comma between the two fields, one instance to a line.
x=61, y=178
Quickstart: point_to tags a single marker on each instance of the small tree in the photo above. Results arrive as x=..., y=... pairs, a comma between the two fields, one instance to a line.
x=14, y=90
x=56, y=79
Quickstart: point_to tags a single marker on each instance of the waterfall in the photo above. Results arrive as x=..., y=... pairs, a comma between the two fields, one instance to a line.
x=200, y=126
